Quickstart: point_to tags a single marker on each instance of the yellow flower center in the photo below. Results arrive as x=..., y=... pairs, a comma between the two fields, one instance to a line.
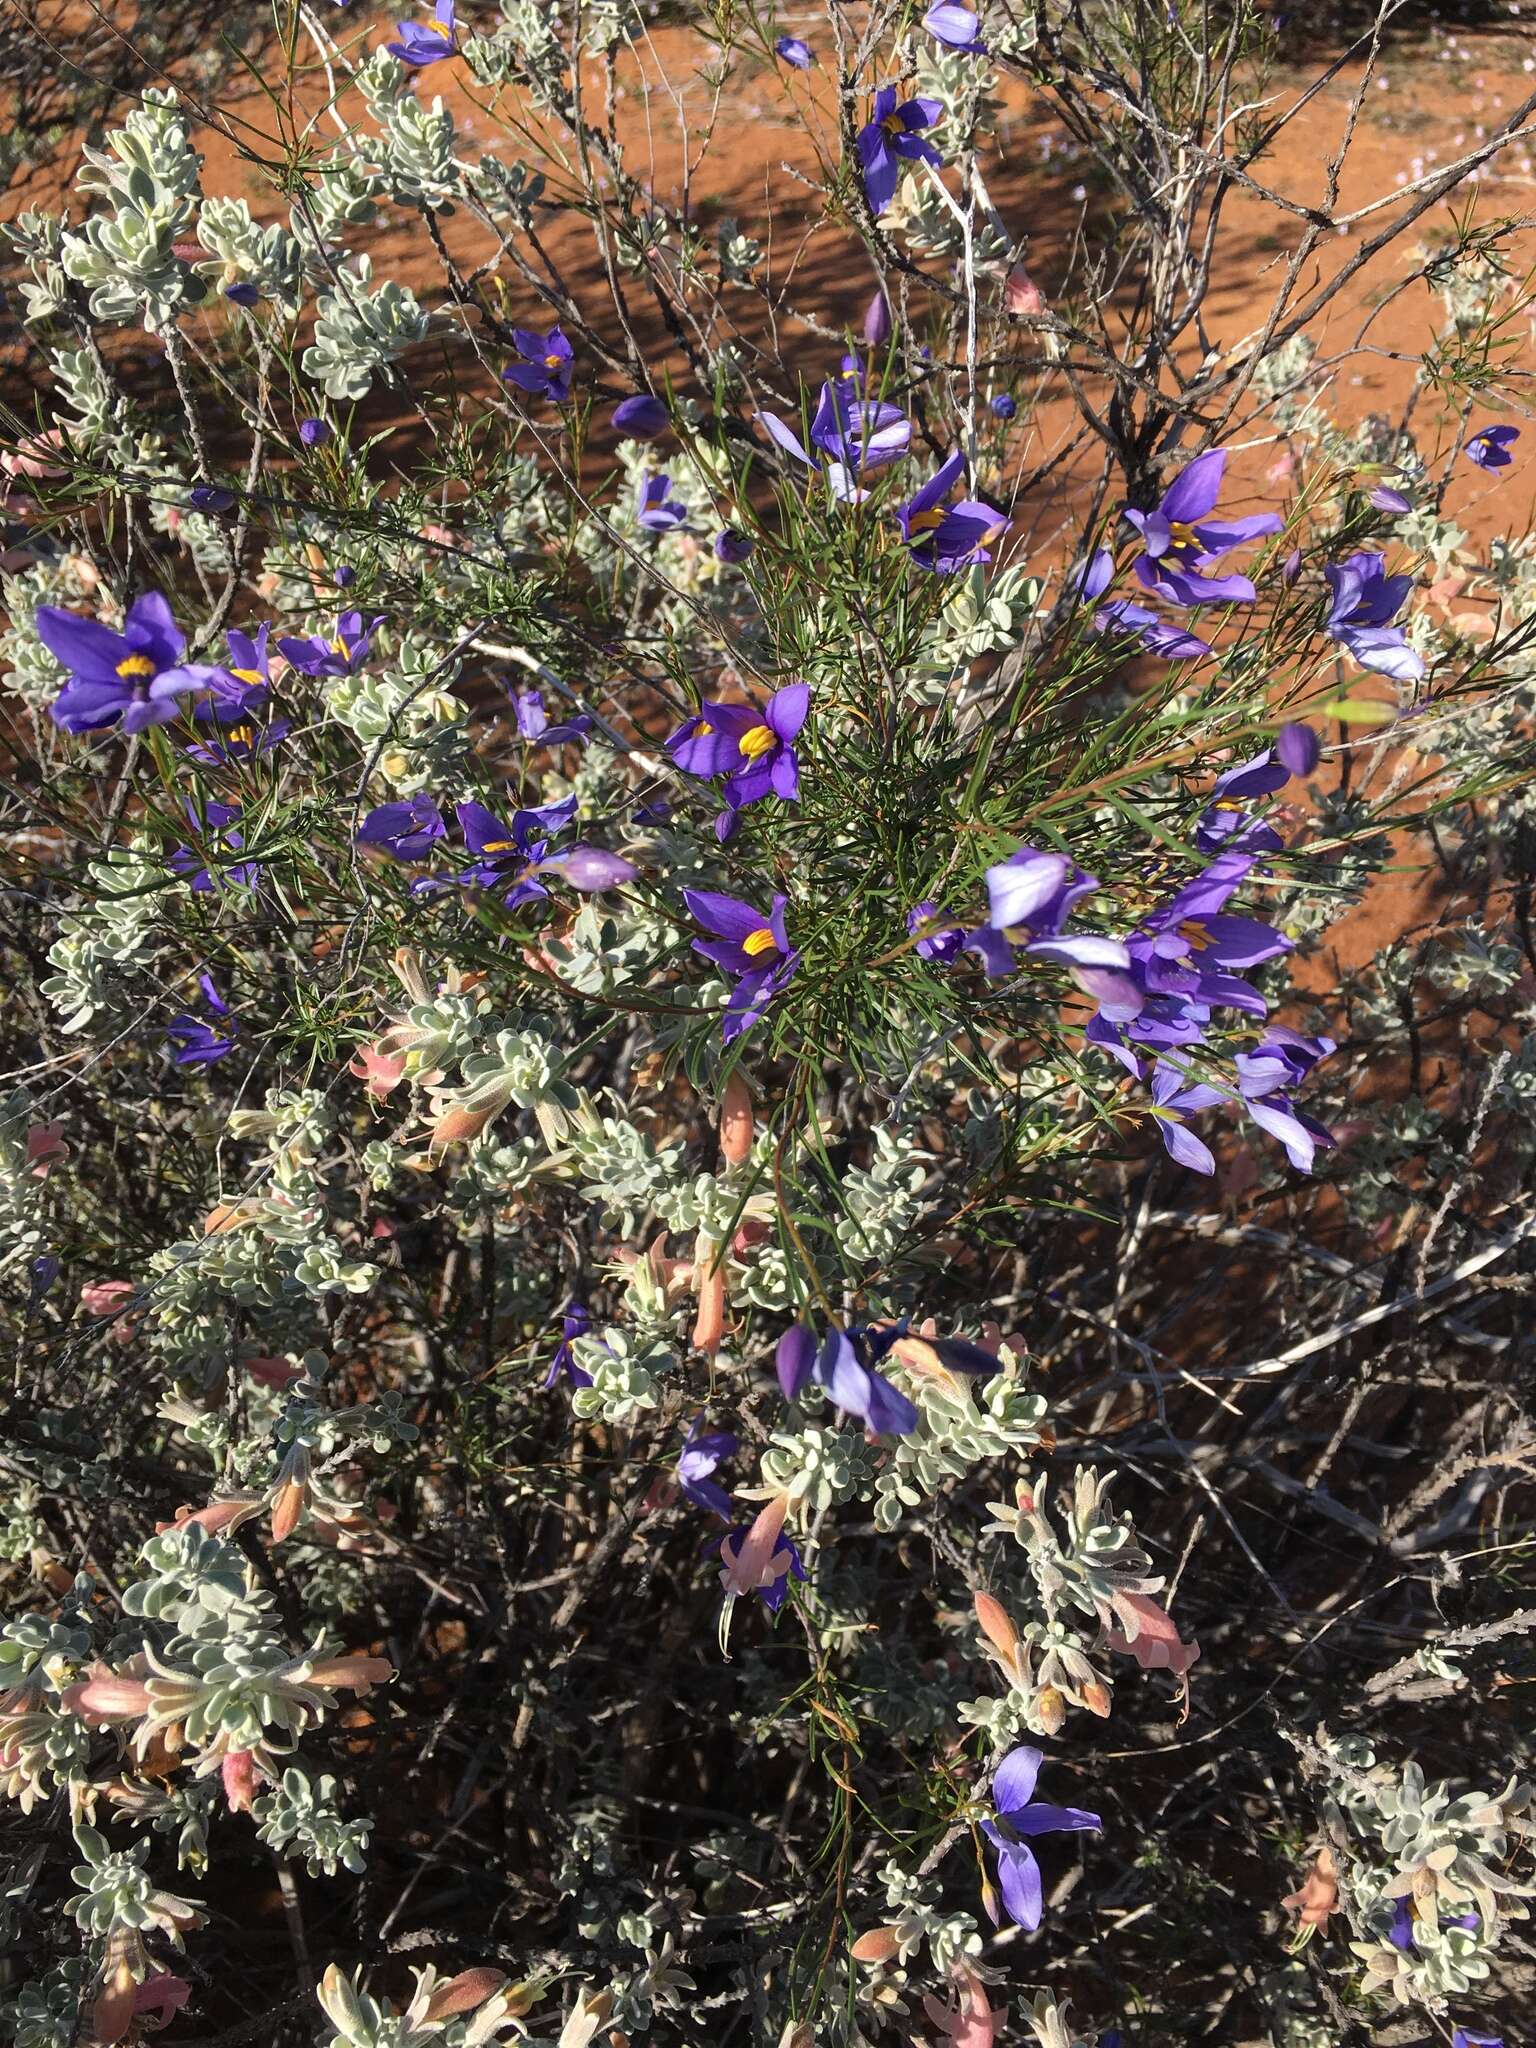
x=135, y=665
x=1181, y=534
x=339, y=646
x=758, y=739
x=759, y=942
x=499, y=846
x=894, y=125
x=241, y=735
x=925, y=522
x=553, y=362
x=1196, y=934
x=703, y=729
x=253, y=676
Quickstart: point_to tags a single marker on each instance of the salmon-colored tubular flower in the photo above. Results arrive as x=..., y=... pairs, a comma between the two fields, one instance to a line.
x=1022, y=296
x=238, y=1771
x=112, y=2012
x=290, y=1494
x=878, y=1945
x=709, y=1323
x=1005, y=1648
x=462, y=1994
x=45, y=1148
x=754, y=1560
x=736, y=1121
x=276, y=1373
x=972, y=2023
x=105, y=1696
x=1149, y=1635
x=380, y=1070
x=1319, y=1892
x=355, y=1674
x=218, y=1516
x=159, y=1998
x=106, y=1297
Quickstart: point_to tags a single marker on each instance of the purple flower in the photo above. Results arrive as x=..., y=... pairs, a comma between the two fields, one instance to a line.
x=793, y=51
x=755, y=749
x=1489, y=449
x=242, y=293
x=751, y=948
x=655, y=510
x=698, y=1460
x=641, y=418
x=336, y=655
x=545, y=371
x=1385, y=499
x=1180, y=537
x=1226, y=824
x=198, y=1044
x=405, y=831
x=214, y=825
x=1020, y=1817
x=575, y=1323
x=1030, y=897
x=731, y=545
x=240, y=743
x=244, y=683
x=419, y=45
x=314, y=433
x=135, y=676
x=940, y=945
x=210, y=498
x=1463, y=2039
x=1299, y=748
x=854, y=434
x=943, y=537
x=954, y=26
x=841, y=1367
x=533, y=721
x=1005, y=406
x=877, y=322
x=893, y=136
x=1365, y=601
x=1157, y=636
x=1265, y=1077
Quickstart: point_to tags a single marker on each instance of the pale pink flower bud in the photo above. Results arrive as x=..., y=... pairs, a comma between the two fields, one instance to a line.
x=238, y=1771
x=709, y=1323
x=106, y=1297
x=463, y=1993
x=1021, y=295
x=735, y=1121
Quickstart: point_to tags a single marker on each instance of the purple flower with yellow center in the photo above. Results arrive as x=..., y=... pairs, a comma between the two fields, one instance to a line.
x=134, y=678
x=1180, y=537
x=892, y=137
x=942, y=941
x=244, y=684
x=792, y=51
x=756, y=749
x=336, y=654
x=533, y=721
x=1191, y=945
x=1020, y=1818
x=406, y=831
x=1365, y=601
x=855, y=435
x=242, y=742
x=1030, y=897
x=545, y=371
x=753, y=949
x=656, y=509
x=1489, y=449
x=1227, y=824
x=200, y=1044
x=574, y=1323
x=701, y=1456
x=956, y=27
x=418, y=44
x=215, y=825
x=941, y=537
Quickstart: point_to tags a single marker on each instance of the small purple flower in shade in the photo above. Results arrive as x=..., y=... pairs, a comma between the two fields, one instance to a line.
x=243, y=685
x=1364, y=603
x=418, y=44
x=215, y=826
x=941, y=944
x=1299, y=747
x=574, y=1323
x=701, y=1455
x=1180, y=536
x=655, y=509
x=754, y=950
x=1490, y=448
x=314, y=433
x=1005, y=406
x=196, y=1043
x=242, y=294
x=943, y=538
x=134, y=677
x=1113, y=2039
x=343, y=576
x=240, y=743
x=337, y=654
x=1462, y=2038
x=731, y=545
x=533, y=721
x=792, y=51
x=877, y=321
x=840, y=1366
x=43, y=1271
x=892, y=137
x=954, y=26
x=405, y=831
x=1157, y=636
x=640, y=418
x=545, y=371
x=1021, y=1817
x=1226, y=825
x=210, y=498
x=1266, y=1075
x=1385, y=499
x=854, y=434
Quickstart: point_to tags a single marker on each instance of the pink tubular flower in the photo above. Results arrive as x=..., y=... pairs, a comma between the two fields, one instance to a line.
x=106, y=1297
x=380, y=1070
x=34, y=455
x=159, y=1998
x=972, y=2023
x=45, y=1148
x=753, y=1563
x=105, y=1696
x=1149, y=1636
x=1022, y=296
x=238, y=1772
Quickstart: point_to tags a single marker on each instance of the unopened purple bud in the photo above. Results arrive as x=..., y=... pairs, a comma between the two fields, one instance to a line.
x=590, y=869
x=793, y=51
x=314, y=432
x=1385, y=499
x=242, y=294
x=877, y=321
x=732, y=545
x=210, y=498
x=1004, y=406
x=640, y=418
x=343, y=575
x=1297, y=748
x=1290, y=568
x=793, y=1360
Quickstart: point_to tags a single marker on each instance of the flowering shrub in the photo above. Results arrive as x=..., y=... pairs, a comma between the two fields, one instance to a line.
x=768, y=1088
